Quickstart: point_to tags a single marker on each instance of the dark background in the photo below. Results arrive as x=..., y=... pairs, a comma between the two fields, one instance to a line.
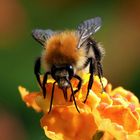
x=120, y=35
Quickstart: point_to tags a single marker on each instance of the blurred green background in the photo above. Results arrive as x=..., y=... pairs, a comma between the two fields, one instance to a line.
x=120, y=35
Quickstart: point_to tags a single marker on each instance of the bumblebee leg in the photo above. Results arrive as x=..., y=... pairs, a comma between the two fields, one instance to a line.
x=37, y=70
x=74, y=97
x=52, y=97
x=100, y=74
x=44, y=83
x=91, y=78
x=78, y=87
x=98, y=51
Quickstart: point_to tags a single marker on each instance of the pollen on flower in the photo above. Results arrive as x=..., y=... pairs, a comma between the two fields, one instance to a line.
x=115, y=112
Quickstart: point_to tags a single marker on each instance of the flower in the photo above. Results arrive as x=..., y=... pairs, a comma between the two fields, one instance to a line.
x=112, y=114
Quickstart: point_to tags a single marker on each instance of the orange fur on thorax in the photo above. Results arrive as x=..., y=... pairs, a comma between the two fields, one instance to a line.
x=61, y=49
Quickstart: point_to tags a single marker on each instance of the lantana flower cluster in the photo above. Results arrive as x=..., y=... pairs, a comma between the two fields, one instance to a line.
x=113, y=114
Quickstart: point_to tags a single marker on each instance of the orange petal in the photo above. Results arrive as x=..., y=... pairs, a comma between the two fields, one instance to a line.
x=71, y=124
x=122, y=116
x=108, y=88
x=29, y=98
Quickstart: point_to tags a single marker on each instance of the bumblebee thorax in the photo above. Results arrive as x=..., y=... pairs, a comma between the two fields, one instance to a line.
x=61, y=48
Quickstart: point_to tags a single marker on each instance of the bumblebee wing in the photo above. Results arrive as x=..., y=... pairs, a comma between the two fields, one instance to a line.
x=42, y=35
x=88, y=28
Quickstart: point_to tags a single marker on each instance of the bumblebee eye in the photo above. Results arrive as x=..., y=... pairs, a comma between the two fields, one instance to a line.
x=69, y=68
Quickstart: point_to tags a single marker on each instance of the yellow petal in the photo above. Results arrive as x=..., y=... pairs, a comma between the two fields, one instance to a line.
x=113, y=129
x=52, y=135
x=23, y=92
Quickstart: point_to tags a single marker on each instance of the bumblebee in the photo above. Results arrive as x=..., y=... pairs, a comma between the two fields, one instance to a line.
x=67, y=52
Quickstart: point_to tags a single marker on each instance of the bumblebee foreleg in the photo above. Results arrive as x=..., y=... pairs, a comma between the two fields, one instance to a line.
x=37, y=70
x=37, y=73
x=44, y=83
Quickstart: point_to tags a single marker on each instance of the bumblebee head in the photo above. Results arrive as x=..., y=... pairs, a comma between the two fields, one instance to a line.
x=62, y=74
x=66, y=47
